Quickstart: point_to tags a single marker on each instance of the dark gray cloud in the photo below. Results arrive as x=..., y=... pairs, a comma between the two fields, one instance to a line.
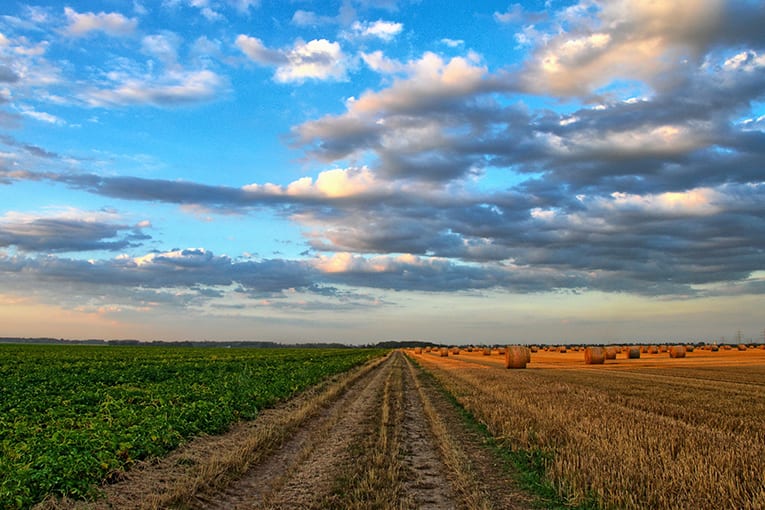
x=8, y=75
x=68, y=235
x=191, y=274
x=32, y=150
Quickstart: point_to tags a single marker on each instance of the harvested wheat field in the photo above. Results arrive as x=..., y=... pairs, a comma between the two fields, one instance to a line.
x=654, y=432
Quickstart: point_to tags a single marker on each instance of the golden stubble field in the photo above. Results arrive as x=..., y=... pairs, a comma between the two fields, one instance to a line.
x=653, y=432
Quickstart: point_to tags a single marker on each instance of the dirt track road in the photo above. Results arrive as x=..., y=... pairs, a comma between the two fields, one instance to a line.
x=382, y=437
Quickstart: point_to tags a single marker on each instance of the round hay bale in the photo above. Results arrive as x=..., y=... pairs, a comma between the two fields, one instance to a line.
x=652, y=349
x=562, y=349
x=633, y=353
x=689, y=348
x=677, y=351
x=418, y=350
x=528, y=354
x=714, y=348
x=594, y=355
x=742, y=347
x=487, y=351
x=534, y=348
x=644, y=349
x=611, y=352
x=761, y=346
x=444, y=352
x=515, y=357
x=663, y=348
x=455, y=351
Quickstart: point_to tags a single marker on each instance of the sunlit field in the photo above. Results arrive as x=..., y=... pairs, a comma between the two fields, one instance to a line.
x=653, y=432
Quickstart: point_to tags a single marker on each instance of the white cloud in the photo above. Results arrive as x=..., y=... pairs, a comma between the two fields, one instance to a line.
x=303, y=18
x=113, y=23
x=211, y=15
x=695, y=202
x=345, y=262
x=452, y=43
x=745, y=61
x=335, y=183
x=48, y=118
x=173, y=89
x=379, y=63
x=430, y=78
x=665, y=140
x=162, y=46
x=257, y=51
x=385, y=30
x=625, y=40
x=318, y=59
x=513, y=14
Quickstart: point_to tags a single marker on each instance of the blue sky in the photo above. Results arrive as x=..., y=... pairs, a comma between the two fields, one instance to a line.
x=368, y=170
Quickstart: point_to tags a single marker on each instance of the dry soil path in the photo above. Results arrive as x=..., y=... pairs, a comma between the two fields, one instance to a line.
x=384, y=436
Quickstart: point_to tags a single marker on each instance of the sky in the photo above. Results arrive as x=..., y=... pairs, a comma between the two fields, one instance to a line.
x=366, y=170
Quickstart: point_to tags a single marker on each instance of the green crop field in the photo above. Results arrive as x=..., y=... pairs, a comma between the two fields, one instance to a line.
x=71, y=416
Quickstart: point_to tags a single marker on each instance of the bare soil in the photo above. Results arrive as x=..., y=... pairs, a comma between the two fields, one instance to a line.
x=383, y=436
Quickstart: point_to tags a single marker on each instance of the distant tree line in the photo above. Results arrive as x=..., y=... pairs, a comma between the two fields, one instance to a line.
x=183, y=343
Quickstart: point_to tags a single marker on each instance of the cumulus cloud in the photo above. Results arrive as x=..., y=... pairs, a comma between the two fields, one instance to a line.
x=405, y=124
x=318, y=59
x=114, y=24
x=656, y=43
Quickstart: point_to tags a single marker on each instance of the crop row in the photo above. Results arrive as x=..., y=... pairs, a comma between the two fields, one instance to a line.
x=72, y=416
